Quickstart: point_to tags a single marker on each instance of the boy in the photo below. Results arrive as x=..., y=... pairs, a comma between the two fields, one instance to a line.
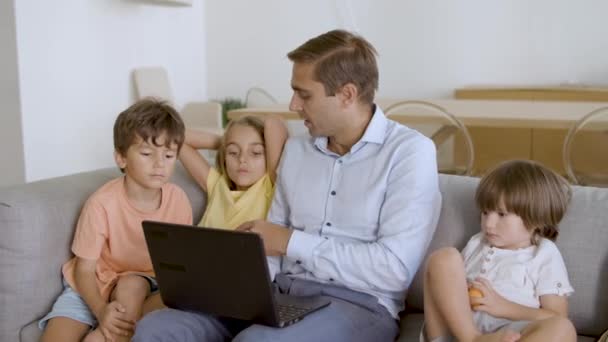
x=107, y=285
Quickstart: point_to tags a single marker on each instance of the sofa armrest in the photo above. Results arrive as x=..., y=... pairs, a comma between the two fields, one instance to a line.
x=37, y=222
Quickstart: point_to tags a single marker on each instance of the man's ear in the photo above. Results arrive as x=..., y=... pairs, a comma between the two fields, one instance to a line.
x=348, y=94
x=120, y=160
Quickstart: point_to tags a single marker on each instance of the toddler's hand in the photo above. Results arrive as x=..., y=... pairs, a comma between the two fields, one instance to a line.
x=490, y=301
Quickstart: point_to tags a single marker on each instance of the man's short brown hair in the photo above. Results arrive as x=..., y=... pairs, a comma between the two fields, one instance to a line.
x=149, y=119
x=339, y=58
x=531, y=191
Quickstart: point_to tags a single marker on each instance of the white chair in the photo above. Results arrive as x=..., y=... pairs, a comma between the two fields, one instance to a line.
x=257, y=97
x=455, y=154
x=584, y=152
x=205, y=116
x=152, y=82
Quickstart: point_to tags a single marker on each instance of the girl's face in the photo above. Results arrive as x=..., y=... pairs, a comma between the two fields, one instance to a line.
x=245, y=156
x=505, y=230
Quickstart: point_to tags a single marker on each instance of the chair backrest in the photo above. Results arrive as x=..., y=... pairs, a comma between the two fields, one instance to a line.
x=455, y=154
x=258, y=97
x=584, y=151
x=203, y=116
x=152, y=82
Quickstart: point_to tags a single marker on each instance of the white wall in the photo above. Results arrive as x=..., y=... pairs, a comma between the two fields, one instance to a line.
x=11, y=161
x=427, y=48
x=75, y=63
x=75, y=57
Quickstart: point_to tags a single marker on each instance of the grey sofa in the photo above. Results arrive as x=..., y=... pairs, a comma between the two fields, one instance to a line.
x=37, y=222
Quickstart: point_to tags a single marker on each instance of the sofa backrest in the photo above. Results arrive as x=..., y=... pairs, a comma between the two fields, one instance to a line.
x=37, y=222
x=583, y=242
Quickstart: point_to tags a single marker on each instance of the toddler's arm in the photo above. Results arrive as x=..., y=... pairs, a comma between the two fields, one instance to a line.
x=194, y=163
x=497, y=306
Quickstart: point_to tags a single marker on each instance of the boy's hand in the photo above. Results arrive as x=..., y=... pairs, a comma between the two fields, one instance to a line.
x=113, y=321
x=491, y=302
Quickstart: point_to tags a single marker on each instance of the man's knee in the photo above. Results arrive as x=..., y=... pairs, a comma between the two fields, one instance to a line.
x=151, y=327
x=256, y=333
x=177, y=325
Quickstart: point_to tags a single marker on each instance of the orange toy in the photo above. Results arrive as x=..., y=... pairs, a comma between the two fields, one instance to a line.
x=473, y=292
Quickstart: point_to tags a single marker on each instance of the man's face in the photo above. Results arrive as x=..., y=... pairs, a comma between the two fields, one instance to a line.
x=323, y=114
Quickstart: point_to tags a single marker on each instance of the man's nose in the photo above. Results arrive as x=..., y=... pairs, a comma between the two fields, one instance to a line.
x=294, y=104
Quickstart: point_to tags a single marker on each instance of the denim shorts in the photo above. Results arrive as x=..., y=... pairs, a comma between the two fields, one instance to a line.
x=69, y=304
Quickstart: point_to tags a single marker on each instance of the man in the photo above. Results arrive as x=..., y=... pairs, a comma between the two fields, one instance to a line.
x=354, y=210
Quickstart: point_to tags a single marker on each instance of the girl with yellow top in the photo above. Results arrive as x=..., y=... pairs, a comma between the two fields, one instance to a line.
x=241, y=186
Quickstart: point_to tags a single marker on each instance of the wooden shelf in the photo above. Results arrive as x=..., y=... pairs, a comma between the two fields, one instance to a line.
x=584, y=94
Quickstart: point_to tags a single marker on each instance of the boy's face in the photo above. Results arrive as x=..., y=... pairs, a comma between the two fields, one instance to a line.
x=148, y=165
x=505, y=230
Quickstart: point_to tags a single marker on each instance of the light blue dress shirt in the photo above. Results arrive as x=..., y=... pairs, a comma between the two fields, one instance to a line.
x=362, y=220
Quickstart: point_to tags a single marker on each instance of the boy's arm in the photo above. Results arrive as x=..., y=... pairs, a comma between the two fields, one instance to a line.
x=275, y=135
x=109, y=315
x=86, y=285
x=194, y=163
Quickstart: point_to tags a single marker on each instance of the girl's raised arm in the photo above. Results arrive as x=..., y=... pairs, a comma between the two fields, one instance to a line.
x=275, y=135
x=197, y=166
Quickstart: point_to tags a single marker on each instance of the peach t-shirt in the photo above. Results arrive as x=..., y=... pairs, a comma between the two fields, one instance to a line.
x=109, y=230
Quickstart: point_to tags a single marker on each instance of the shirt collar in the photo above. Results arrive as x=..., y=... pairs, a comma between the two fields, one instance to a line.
x=374, y=133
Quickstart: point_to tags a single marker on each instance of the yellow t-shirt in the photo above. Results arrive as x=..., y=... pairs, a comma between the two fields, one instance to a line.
x=228, y=209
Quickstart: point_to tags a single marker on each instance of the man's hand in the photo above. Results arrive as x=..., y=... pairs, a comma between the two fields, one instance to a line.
x=275, y=237
x=113, y=323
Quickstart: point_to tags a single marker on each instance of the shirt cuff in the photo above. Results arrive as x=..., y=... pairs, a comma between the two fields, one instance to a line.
x=301, y=246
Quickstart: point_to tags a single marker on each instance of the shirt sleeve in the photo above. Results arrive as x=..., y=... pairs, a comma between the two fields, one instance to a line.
x=91, y=231
x=407, y=221
x=552, y=273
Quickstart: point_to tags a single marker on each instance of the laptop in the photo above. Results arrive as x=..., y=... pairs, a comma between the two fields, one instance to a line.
x=220, y=272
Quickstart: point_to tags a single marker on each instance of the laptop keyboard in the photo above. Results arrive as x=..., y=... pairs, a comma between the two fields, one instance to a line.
x=288, y=313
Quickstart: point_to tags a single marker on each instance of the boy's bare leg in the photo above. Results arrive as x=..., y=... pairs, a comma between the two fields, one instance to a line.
x=64, y=329
x=550, y=329
x=152, y=303
x=447, y=309
x=130, y=291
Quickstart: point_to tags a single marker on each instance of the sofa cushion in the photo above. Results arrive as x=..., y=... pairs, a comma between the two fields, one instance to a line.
x=458, y=221
x=583, y=241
